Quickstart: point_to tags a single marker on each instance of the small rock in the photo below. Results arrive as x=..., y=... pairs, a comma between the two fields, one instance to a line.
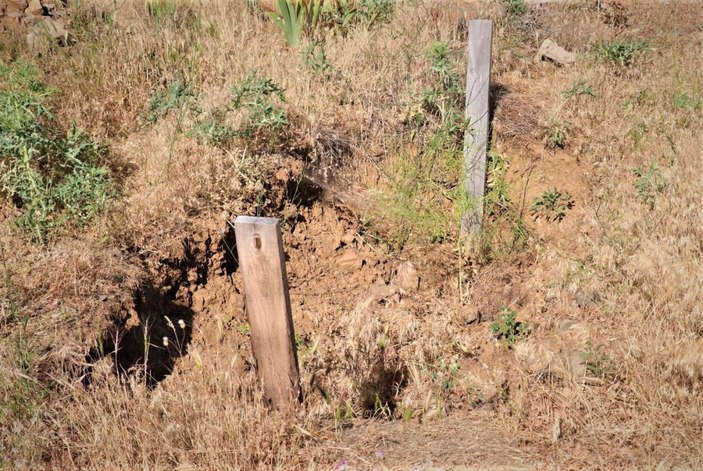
x=550, y=50
x=34, y=9
x=350, y=260
x=471, y=314
x=384, y=293
x=348, y=238
x=15, y=8
x=406, y=277
x=48, y=29
x=331, y=243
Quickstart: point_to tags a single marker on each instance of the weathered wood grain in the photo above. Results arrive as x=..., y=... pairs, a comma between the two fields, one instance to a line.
x=478, y=81
x=262, y=264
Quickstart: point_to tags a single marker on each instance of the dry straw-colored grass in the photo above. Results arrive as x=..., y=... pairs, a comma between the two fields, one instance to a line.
x=610, y=375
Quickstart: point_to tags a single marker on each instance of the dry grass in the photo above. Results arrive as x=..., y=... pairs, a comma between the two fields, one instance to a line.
x=610, y=374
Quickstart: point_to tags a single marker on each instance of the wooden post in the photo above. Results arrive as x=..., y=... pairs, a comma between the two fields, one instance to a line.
x=262, y=262
x=478, y=81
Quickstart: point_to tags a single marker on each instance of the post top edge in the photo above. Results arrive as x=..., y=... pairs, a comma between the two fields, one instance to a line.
x=260, y=221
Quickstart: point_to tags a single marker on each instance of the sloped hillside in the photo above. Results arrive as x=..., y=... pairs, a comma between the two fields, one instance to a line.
x=566, y=335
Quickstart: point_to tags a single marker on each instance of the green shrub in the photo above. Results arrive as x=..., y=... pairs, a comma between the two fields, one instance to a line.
x=579, y=88
x=255, y=112
x=552, y=205
x=445, y=98
x=174, y=98
x=508, y=329
x=620, y=52
x=260, y=99
x=558, y=133
x=53, y=177
x=515, y=7
x=649, y=182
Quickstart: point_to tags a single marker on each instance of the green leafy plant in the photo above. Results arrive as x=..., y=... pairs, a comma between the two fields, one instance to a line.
x=497, y=200
x=261, y=99
x=579, y=88
x=638, y=132
x=174, y=98
x=374, y=12
x=508, y=329
x=290, y=18
x=515, y=7
x=315, y=58
x=649, y=182
x=620, y=51
x=54, y=177
x=425, y=193
x=443, y=99
x=214, y=129
x=344, y=412
x=255, y=111
x=684, y=101
x=597, y=363
x=558, y=133
x=552, y=205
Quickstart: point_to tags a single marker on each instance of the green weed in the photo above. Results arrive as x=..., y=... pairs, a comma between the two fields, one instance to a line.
x=579, y=88
x=558, y=133
x=315, y=58
x=552, y=205
x=684, y=101
x=638, y=132
x=515, y=7
x=649, y=182
x=255, y=112
x=173, y=14
x=342, y=15
x=260, y=99
x=426, y=198
x=214, y=129
x=597, y=363
x=54, y=178
x=374, y=12
x=174, y=98
x=344, y=412
x=620, y=52
x=444, y=99
x=497, y=200
x=508, y=329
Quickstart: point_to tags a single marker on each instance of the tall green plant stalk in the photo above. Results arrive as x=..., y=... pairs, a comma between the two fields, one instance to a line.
x=290, y=18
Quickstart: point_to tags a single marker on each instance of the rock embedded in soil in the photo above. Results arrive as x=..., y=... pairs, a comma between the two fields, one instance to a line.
x=350, y=260
x=406, y=277
x=471, y=314
x=551, y=51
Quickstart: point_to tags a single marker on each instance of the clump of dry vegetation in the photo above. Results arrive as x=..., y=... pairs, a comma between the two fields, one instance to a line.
x=572, y=338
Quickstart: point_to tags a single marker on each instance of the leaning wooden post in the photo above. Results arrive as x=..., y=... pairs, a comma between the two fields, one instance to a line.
x=478, y=82
x=263, y=267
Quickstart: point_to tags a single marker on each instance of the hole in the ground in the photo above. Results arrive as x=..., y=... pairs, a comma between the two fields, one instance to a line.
x=228, y=247
x=303, y=192
x=383, y=390
x=151, y=346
